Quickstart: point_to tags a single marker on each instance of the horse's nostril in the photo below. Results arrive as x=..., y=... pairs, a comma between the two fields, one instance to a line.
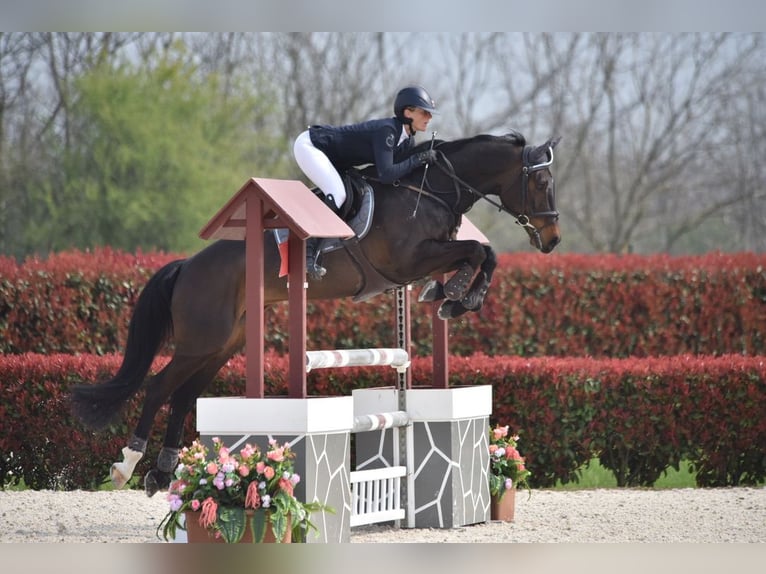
x=552, y=244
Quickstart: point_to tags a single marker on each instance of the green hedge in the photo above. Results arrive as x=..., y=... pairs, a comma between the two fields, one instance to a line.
x=538, y=305
x=638, y=416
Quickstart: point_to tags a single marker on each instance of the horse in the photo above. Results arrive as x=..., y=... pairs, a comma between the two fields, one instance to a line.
x=198, y=303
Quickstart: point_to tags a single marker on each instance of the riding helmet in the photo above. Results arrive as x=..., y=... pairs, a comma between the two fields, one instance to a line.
x=414, y=96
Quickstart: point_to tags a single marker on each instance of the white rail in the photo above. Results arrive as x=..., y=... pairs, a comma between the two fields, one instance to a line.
x=397, y=358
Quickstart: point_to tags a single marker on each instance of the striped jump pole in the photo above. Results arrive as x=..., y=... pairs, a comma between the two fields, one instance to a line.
x=397, y=358
x=380, y=421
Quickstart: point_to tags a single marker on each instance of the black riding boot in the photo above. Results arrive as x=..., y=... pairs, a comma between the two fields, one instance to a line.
x=329, y=201
x=313, y=269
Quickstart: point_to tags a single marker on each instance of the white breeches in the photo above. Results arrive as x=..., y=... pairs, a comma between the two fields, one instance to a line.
x=318, y=168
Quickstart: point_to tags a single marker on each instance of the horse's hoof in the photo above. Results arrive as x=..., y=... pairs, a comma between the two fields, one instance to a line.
x=475, y=301
x=432, y=291
x=154, y=481
x=118, y=478
x=451, y=310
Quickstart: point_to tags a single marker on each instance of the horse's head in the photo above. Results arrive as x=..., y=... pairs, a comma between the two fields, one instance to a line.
x=532, y=197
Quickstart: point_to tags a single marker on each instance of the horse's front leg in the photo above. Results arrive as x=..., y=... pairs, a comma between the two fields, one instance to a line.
x=474, y=298
x=464, y=257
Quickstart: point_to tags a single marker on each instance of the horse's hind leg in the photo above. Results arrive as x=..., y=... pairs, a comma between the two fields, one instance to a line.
x=181, y=404
x=158, y=389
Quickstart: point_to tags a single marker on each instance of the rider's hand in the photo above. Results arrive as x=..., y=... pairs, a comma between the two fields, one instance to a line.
x=428, y=156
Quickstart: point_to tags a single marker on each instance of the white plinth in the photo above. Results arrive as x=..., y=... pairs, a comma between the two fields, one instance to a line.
x=455, y=403
x=274, y=415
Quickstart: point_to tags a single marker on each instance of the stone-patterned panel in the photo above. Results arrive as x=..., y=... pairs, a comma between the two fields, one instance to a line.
x=451, y=466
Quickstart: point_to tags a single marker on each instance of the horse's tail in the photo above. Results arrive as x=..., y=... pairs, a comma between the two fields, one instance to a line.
x=151, y=325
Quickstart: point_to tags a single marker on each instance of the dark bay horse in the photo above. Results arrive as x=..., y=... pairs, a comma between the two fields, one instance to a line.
x=199, y=302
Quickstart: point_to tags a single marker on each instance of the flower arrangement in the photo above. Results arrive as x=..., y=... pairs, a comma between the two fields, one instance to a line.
x=231, y=489
x=507, y=467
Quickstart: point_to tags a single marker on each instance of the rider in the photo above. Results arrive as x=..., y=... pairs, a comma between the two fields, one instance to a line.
x=323, y=152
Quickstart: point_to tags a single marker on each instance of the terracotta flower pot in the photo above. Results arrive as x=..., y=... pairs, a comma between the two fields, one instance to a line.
x=195, y=532
x=503, y=507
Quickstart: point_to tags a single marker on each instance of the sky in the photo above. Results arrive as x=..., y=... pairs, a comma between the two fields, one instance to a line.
x=389, y=15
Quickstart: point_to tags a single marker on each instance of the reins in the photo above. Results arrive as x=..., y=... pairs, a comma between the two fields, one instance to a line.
x=522, y=219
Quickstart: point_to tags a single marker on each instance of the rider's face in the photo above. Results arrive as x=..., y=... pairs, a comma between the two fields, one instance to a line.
x=420, y=118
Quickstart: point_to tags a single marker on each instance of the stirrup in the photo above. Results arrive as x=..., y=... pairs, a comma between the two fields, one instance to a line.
x=315, y=271
x=313, y=249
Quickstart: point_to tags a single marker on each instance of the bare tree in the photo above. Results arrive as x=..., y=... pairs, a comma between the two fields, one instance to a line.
x=336, y=78
x=731, y=193
x=644, y=117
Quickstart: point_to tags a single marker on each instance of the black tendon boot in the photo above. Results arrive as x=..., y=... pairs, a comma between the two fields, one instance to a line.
x=313, y=268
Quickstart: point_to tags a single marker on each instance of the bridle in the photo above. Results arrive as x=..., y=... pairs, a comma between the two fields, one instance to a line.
x=524, y=217
x=552, y=213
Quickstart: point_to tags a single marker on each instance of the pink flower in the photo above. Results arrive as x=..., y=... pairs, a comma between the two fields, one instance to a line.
x=259, y=466
x=268, y=472
x=207, y=516
x=195, y=504
x=243, y=470
x=500, y=432
x=211, y=468
x=286, y=485
x=277, y=455
x=512, y=453
x=177, y=486
x=252, y=498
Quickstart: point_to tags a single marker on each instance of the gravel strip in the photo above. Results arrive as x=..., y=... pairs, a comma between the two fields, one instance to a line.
x=600, y=515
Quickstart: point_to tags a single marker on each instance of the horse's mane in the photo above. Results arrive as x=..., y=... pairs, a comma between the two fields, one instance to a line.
x=513, y=137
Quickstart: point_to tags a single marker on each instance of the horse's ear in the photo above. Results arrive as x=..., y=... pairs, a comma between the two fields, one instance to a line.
x=540, y=153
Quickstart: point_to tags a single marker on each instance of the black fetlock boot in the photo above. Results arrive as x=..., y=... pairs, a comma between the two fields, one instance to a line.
x=313, y=269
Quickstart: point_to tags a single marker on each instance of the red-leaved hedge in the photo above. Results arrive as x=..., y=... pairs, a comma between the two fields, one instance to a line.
x=72, y=302
x=538, y=305
x=638, y=416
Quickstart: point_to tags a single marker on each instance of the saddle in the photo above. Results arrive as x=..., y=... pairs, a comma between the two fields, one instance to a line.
x=357, y=212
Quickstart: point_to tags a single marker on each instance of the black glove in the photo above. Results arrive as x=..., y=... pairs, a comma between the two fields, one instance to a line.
x=428, y=156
